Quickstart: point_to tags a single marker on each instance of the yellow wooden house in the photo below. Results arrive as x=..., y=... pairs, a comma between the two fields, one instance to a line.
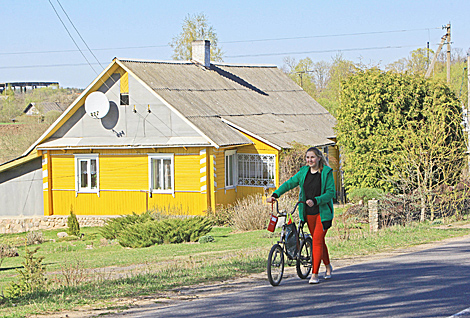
x=181, y=135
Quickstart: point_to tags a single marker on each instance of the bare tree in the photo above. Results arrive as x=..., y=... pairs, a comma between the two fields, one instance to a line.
x=195, y=27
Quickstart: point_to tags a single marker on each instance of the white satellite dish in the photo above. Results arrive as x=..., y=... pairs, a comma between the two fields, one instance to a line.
x=97, y=105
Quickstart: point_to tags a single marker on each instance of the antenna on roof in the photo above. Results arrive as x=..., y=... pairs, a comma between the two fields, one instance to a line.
x=97, y=105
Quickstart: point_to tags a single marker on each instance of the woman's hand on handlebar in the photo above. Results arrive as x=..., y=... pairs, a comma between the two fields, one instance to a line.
x=270, y=199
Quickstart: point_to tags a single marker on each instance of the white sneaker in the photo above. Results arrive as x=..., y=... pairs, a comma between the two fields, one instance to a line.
x=314, y=279
x=331, y=271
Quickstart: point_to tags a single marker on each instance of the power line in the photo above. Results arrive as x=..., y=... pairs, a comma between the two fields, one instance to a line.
x=49, y=65
x=231, y=56
x=329, y=35
x=222, y=42
x=70, y=35
x=322, y=51
x=79, y=34
x=72, y=51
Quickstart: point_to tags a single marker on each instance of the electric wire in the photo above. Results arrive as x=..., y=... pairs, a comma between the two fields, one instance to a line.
x=144, y=119
x=322, y=51
x=230, y=56
x=328, y=36
x=70, y=35
x=222, y=42
x=91, y=52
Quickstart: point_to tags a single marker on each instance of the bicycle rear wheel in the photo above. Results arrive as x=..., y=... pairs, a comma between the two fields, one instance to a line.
x=275, y=265
x=304, y=260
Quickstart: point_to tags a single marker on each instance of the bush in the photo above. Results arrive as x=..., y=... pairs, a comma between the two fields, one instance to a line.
x=73, y=228
x=7, y=251
x=365, y=194
x=31, y=278
x=175, y=230
x=220, y=216
x=250, y=213
x=115, y=226
x=206, y=239
x=141, y=235
x=35, y=237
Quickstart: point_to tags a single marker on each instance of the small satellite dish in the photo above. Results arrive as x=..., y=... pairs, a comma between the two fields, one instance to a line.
x=97, y=105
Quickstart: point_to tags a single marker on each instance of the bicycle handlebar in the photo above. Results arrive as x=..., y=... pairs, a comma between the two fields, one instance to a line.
x=277, y=207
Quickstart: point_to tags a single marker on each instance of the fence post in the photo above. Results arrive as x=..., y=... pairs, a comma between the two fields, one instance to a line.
x=373, y=215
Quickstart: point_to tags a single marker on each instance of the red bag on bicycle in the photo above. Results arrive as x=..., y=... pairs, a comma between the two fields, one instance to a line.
x=272, y=223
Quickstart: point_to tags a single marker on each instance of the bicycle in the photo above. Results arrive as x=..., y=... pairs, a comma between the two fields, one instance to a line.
x=302, y=255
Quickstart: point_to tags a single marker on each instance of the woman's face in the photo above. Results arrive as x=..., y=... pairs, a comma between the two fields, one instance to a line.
x=312, y=160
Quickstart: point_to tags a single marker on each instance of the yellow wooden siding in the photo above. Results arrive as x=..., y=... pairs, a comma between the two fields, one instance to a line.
x=333, y=154
x=124, y=184
x=229, y=196
x=107, y=203
x=63, y=172
x=187, y=175
x=124, y=83
x=126, y=202
x=123, y=172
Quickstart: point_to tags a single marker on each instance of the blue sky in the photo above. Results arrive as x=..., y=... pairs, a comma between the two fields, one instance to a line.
x=36, y=47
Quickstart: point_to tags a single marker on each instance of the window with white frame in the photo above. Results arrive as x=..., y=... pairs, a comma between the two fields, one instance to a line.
x=258, y=170
x=230, y=168
x=87, y=173
x=161, y=173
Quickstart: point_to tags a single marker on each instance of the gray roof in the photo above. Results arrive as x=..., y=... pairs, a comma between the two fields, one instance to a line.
x=123, y=142
x=260, y=100
x=46, y=107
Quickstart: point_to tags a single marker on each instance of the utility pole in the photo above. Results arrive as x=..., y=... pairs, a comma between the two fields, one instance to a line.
x=444, y=38
x=465, y=113
x=448, y=53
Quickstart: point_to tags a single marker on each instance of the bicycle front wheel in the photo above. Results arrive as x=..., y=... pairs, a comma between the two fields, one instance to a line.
x=275, y=265
x=304, y=260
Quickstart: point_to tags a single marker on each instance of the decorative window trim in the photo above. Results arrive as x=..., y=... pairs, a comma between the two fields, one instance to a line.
x=257, y=170
x=162, y=156
x=86, y=157
x=233, y=155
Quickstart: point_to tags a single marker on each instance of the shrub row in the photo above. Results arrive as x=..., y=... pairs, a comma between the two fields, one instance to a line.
x=146, y=230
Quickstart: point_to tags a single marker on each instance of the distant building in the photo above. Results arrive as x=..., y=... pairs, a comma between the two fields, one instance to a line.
x=34, y=109
x=22, y=86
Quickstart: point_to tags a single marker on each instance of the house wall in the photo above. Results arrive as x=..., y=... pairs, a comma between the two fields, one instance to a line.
x=229, y=196
x=21, y=190
x=333, y=154
x=124, y=184
x=133, y=120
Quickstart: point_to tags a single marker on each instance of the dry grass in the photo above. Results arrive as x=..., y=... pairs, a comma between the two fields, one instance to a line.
x=250, y=213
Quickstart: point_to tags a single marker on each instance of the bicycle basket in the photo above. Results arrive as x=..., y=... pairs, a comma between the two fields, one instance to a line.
x=291, y=240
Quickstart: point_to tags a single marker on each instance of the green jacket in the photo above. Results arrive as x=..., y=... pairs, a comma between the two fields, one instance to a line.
x=324, y=201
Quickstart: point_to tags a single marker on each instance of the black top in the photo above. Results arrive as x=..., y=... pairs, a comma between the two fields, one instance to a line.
x=312, y=189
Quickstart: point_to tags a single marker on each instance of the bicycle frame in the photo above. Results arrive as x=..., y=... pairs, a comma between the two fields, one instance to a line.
x=300, y=232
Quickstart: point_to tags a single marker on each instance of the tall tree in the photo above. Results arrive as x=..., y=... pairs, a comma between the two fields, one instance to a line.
x=382, y=115
x=195, y=27
x=340, y=70
x=301, y=73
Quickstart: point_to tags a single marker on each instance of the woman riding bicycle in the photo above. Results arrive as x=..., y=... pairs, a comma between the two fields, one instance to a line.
x=317, y=190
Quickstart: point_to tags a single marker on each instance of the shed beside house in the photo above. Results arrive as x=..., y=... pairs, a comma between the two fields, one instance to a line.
x=184, y=136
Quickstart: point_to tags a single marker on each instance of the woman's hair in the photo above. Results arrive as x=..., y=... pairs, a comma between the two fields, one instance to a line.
x=319, y=154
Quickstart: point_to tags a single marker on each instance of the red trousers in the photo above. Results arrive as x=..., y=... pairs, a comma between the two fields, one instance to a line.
x=319, y=249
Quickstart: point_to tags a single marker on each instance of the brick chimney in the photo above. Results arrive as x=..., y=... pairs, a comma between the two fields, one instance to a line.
x=201, y=52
